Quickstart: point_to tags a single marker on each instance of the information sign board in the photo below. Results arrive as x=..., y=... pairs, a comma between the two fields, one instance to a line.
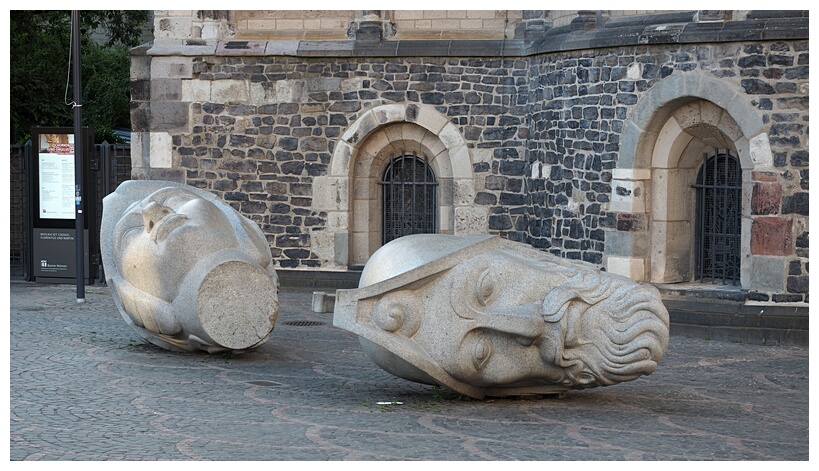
x=56, y=176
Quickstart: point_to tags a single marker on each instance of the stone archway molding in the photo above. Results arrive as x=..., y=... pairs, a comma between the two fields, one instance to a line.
x=653, y=110
x=650, y=148
x=336, y=193
x=422, y=115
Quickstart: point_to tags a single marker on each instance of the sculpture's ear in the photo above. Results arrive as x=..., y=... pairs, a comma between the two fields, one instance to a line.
x=147, y=311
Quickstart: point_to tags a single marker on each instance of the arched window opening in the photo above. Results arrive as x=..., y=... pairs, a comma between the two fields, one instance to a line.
x=409, y=190
x=719, y=226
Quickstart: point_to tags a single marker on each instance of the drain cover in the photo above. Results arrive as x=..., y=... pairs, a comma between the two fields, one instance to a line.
x=304, y=323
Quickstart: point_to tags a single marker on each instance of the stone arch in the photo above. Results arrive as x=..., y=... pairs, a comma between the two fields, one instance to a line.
x=661, y=149
x=349, y=193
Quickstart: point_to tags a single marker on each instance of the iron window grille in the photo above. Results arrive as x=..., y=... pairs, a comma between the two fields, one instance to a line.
x=719, y=224
x=409, y=191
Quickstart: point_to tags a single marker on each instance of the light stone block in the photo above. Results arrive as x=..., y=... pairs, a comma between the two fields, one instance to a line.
x=161, y=145
x=430, y=119
x=332, y=196
x=451, y=137
x=761, y=151
x=323, y=302
x=282, y=48
x=140, y=149
x=471, y=220
x=389, y=113
x=394, y=132
x=461, y=162
x=486, y=316
x=342, y=248
x=671, y=252
x=230, y=91
x=377, y=141
x=634, y=71
x=671, y=142
x=483, y=155
x=536, y=170
x=768, y=273
x=672, y=197
x=632, y=268
x=196, y=91
x=322, y=243
x=360, y=129
x=434, y=145
x=258, y=94
x=464, y=192
x=187, y=271
x=446, y=219
x=361, y=214
x=340, y=163
x=173, y=27
x=627, y=196
x=171, y=68
x=414, y=133
x=363, y=188
x=442, y=166
x=360, y=247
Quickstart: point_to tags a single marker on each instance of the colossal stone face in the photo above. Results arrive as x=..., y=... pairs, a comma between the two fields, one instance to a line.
x=488, y=316
x=188, y=272
x=158, y=234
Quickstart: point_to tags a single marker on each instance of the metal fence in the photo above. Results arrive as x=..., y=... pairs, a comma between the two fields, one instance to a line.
x=114, y=167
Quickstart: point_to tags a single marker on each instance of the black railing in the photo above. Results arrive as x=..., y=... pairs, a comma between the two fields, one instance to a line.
x=114, y=168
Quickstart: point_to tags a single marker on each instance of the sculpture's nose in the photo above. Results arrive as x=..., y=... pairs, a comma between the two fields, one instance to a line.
x=523, y=322
x=153, y=213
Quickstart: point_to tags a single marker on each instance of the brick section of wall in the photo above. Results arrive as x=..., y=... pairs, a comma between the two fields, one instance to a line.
x=262, y=158
x=579, y=103
x=544, y=134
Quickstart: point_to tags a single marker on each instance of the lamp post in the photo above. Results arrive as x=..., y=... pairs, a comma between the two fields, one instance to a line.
x=78, y=156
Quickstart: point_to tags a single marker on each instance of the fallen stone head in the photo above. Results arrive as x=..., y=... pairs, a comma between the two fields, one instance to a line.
x=187, y=271
x=486, y=316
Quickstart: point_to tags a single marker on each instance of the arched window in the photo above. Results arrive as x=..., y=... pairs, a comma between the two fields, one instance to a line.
x=409, y=192
x=719, y=227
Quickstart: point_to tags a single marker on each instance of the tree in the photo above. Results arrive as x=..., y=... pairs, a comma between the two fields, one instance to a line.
x=40, y=71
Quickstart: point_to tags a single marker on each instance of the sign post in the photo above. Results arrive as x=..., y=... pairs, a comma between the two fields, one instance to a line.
x=54, y=207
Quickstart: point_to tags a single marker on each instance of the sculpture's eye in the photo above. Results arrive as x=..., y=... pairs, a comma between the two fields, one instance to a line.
x=485, y=287
x=481, y=351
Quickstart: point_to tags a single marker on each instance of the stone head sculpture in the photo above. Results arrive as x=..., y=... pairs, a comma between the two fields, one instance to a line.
x=187, y=271
x=487, y=316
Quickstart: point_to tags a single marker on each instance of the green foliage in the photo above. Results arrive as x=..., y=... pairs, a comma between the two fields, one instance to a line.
x=40, y=70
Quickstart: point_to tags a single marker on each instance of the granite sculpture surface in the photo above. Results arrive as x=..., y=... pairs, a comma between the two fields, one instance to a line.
x=486, y=316
x=187, y=271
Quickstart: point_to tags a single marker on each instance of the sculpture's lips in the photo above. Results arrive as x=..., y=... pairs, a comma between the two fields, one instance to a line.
x=166, y=225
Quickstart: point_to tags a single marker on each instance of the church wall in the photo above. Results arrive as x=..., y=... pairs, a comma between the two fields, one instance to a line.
x=547, y=133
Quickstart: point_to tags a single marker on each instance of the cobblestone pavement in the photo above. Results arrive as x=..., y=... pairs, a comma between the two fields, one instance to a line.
x=84, y=386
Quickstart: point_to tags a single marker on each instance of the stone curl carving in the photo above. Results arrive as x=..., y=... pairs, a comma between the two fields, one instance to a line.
x=490, y=317
x=187, y=271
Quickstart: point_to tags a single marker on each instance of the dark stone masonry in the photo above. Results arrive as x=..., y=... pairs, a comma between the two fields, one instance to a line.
x=552, y=121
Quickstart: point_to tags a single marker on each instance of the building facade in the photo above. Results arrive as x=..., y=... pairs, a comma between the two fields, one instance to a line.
x=670, y=147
